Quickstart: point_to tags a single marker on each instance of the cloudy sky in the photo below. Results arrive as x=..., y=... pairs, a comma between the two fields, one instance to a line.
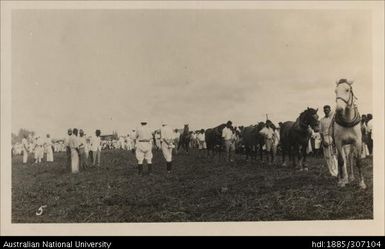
x=109, y=69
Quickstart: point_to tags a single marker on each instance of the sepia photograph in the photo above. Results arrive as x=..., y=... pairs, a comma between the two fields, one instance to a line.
x=209, y=114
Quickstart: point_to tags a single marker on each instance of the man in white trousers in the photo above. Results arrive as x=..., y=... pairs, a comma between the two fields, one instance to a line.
x=327, y=141
x=143, y=147
x=48, y=148
x=167, y=139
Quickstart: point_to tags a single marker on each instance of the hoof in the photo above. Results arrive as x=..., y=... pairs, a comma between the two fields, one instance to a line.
x=306, y=169
x=284, y=165
x=362, y=185
x=351, y=179
x=342, y=183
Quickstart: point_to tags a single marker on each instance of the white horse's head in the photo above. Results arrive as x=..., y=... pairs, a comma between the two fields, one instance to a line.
x=344, y=94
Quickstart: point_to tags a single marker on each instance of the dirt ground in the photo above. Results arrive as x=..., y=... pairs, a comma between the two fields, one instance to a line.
x=198, y=190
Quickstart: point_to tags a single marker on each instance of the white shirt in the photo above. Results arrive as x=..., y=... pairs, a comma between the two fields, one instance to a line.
x=166, y=133
x=267, y=132
x=143, y=133
x=73, y=142
x=24, y=142
x=369, y=126
x=48, y=141
x=176, y=135
x=325, y=123
x=66, y=140
x=95, y=143
x=227, y=133
x=82, y=142
x=201, y=137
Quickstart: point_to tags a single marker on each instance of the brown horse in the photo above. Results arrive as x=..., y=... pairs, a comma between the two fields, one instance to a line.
x=347, y=133
x=214, y=140
x=184, y=139
x=253, y=140
x=295, y=137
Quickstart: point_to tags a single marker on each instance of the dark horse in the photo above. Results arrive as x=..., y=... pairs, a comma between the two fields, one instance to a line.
x=295, y=136
x=253, y=140
x=214, y=139
x=184, y=139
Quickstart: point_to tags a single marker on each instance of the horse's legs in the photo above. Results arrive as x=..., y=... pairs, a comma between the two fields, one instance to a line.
x=247, y=152
x=350, y=152
x=295, y=155
x=359, y=165
x=342, y=171
x=302, y=158
x=358, y=160
x=284, y=150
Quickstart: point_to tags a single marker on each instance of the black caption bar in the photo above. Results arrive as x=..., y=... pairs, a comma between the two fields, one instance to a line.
x=237, y=242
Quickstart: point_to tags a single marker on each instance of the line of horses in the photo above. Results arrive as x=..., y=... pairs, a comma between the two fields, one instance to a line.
x=295, y=135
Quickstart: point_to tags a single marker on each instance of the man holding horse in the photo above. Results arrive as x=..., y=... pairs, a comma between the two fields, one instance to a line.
x=269, y=136
x=327, y=141
x=228, y=137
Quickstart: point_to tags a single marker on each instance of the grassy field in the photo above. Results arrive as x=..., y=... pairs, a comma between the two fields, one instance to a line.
x=198, y=190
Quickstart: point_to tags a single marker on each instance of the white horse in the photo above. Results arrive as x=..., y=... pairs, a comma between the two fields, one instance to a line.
x=347, y=133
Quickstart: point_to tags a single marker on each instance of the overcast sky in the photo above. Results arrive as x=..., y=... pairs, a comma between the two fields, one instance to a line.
x=110, y=69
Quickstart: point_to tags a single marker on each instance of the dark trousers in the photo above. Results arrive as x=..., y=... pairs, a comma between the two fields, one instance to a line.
x=68, y=162
x=370, y=144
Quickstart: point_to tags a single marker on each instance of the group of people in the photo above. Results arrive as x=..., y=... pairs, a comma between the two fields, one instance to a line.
x=37, y=145
x=80, y=147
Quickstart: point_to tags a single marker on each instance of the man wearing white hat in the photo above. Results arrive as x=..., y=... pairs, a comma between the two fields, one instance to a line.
x=143, y=147
x=167, y=139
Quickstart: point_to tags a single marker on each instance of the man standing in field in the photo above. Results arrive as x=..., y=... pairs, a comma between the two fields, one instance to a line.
x=143, y=147
x=327, y=141
x=67, y=148
x=269, y=135
x=201, y=142
x=73, y=143
x=167, y=139
x=227, y=135
x=96, y=148
x=24, y=143
x=48, y=148
x=83, y=154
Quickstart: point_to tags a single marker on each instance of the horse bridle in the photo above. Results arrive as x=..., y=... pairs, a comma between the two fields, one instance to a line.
x=357, y=118
x=351, y=96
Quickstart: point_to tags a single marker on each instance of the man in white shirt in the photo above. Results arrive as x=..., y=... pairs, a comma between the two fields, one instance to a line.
x=24, y=143
x=227, y=135
x=143, y=145
x=96, y=148
x=73, y=143
x=269, y=135
x=39, y=150
x=201, y=137
x=167, y=144
x=48, y=148
x=83, y=154
x=327, y=141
